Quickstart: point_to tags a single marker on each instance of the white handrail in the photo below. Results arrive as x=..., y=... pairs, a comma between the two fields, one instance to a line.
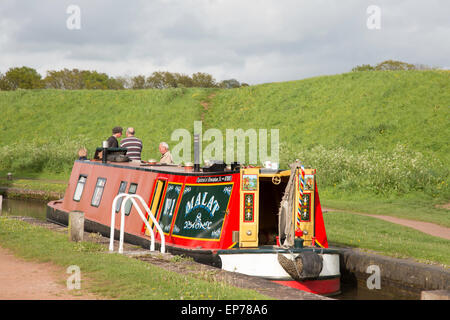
x=113, y=220
x=132, y=197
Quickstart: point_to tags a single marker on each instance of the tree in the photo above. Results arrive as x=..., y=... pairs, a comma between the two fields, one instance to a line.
x=23, y=78
x=183, y=80
x=364, y=67
x=65, y=79
x=123, y=82
x=4, y=84
x=138, y=82
x=95, y=80
x=203, y=80
x=156, y=80
x=230, y=84
x=170, y=80
x=75, y=79
x=394, y=65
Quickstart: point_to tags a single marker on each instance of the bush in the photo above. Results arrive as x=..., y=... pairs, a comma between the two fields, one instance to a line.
x=56, y=156
x=399, y=171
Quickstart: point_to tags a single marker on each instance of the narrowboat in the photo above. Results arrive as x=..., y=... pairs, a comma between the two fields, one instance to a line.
x=257, y=221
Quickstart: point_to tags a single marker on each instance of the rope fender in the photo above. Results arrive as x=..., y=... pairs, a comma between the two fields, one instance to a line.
x=307, y=265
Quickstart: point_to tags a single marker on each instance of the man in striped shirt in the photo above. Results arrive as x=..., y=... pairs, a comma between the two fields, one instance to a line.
x=132, y=144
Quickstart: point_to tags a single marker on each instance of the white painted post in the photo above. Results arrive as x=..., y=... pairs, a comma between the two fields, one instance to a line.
x=1, y=201
x=76, y=226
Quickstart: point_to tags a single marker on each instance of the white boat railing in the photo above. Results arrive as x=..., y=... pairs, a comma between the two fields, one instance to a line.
x=132, y=198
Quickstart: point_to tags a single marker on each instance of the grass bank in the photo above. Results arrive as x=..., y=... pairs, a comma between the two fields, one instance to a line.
x=112, y=275
x=379, y=140
x=378, y=133
x=45, y=128
x=44, y=190
x=368, y=233
x=413, y=206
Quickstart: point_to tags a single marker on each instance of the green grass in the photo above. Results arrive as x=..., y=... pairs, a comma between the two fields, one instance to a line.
x=372, y=132
x=112, y=275
x=385, y=238
x=33, y=189
x=32, y=184
x=43, y=129
x=413, y=206
x=379, y=137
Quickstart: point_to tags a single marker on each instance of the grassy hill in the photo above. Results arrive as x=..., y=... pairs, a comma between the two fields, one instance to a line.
x=374, y=132
x=366, y=132
x=43, y=129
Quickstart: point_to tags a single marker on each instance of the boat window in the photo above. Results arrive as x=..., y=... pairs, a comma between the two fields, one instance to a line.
x=98, y=192
x=131, y=190
x=122, y=189
x=80, y=187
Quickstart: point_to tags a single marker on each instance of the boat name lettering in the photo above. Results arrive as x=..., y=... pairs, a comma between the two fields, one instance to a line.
x=197, y=224
x=200, y=201
x=214, y=179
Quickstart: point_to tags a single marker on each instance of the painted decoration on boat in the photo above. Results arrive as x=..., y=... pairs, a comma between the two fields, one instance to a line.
x=170, y=201
x=202, y=211
x=309, y=178
x=306, y=207
x=250, y=182
x=249, y=207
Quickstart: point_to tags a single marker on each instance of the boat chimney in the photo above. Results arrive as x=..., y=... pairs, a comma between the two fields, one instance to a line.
x=196, y=153
x=104, y=155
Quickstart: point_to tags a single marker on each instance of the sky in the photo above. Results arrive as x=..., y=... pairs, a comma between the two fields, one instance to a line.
x=253, y=41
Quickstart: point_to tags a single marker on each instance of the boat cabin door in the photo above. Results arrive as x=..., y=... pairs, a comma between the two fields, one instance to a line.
x=249, y=208
x=261, y=194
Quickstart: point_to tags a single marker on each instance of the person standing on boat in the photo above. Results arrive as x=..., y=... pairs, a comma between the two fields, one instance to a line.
x=132, y=144
x=82, y=154
x=116, y=133
x=166, y=157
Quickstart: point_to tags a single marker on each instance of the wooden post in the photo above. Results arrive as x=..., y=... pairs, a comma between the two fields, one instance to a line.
x=1, y=202
x=76, y=226
x=9, y=176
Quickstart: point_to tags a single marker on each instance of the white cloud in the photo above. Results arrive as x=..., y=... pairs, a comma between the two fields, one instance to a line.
x=253, y=41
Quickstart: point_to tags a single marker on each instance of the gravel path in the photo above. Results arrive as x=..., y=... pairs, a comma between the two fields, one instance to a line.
x=425, y=227
x=25, y=280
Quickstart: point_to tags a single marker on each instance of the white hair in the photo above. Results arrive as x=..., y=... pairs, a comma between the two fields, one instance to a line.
x=164, y=145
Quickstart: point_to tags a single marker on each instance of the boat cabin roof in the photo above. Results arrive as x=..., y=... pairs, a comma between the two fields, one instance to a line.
x=178, y=169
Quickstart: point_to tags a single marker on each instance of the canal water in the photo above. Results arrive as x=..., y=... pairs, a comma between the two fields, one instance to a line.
x=351, y=290
x=25, y=208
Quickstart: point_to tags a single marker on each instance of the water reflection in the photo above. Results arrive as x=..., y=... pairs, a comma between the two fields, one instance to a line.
x=27, y=208
x=361, y=292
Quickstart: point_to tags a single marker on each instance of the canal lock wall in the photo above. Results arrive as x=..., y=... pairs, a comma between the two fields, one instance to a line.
x=398, y=277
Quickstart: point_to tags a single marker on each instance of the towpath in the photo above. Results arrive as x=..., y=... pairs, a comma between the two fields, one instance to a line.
x=26, y=280
x=425, y=227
